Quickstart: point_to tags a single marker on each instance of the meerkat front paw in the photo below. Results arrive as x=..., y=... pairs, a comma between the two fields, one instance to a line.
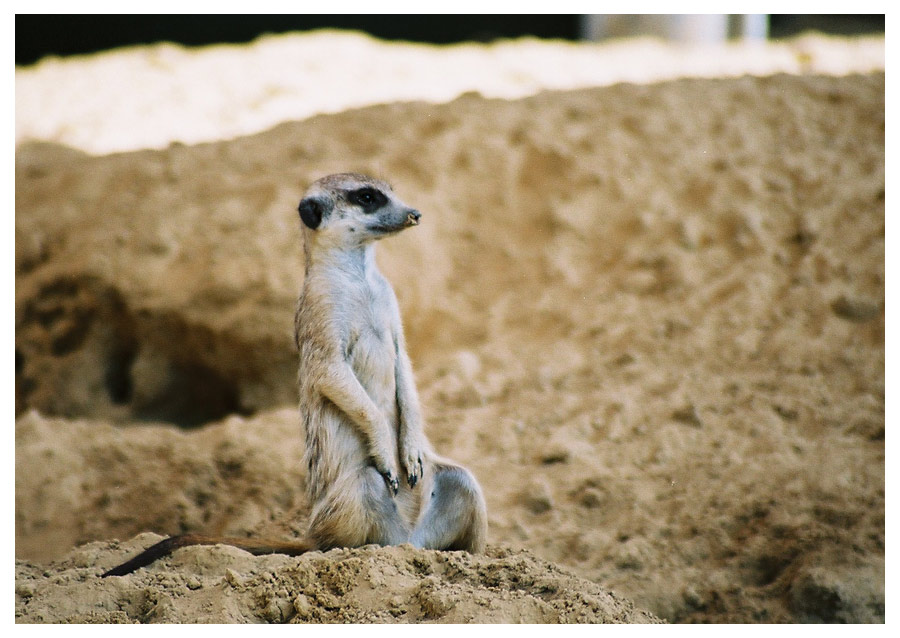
x=391, y=480
x=411, y=459
x=388, y=469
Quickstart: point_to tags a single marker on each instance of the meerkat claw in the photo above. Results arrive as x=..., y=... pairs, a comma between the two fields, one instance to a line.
x=415, y=472
x=392, y=482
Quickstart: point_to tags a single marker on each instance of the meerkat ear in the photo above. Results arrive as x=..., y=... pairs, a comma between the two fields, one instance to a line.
x=313, y=210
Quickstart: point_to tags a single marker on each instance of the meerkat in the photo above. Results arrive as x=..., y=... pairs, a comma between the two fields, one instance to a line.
x=373, y=477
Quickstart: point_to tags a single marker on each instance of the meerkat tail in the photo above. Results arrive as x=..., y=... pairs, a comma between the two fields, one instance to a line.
x=256, y=546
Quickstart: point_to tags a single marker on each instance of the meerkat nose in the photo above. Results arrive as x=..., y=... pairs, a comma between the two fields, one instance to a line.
x=412, y=217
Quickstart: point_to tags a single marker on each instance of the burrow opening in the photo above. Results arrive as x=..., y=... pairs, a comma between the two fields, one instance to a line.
x=81, y=352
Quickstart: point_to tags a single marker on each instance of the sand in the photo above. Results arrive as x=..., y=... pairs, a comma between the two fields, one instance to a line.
x=650, y=318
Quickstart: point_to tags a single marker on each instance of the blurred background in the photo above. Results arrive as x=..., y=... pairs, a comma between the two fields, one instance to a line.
x=41, y=35
x=107, y=83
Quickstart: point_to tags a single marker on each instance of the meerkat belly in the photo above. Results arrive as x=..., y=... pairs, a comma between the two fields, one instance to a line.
x=373, y=360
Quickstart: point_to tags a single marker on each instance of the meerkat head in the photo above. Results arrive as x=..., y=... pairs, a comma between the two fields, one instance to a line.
x=351, y=209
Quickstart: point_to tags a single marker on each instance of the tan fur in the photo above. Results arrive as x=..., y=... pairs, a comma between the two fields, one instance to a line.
x=372, y=475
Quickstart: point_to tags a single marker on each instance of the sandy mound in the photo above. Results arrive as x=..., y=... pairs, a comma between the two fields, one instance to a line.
x=370, y=584
x=649, y=318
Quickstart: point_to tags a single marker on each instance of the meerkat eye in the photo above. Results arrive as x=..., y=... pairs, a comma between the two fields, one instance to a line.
x=370, y=199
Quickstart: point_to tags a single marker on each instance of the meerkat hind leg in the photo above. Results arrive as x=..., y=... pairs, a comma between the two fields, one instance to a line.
x=357, y=511
x=456, y=516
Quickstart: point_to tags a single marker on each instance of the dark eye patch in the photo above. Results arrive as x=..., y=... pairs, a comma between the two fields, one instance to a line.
x=368, y=198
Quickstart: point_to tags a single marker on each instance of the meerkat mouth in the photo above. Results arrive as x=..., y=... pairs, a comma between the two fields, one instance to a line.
x=411, y=220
